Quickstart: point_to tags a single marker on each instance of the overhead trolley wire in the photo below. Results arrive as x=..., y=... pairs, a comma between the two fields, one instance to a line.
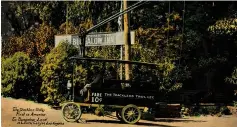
x=117, y=14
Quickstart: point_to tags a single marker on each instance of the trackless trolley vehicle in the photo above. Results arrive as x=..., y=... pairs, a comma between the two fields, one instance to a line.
x=107, y=93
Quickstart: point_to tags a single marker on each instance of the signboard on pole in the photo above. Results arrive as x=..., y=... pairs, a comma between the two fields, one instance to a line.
x=96, y=39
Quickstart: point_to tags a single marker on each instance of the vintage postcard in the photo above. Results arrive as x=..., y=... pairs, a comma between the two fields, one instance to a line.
x=122, y=63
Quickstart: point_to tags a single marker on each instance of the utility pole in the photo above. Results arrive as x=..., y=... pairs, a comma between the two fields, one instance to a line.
x=120, y=28
x=127, y=40
x=67, y=19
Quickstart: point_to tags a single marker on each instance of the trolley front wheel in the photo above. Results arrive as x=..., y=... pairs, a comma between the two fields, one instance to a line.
x=71, y=112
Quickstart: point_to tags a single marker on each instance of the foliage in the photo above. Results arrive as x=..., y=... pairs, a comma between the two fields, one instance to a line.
x=225, y=26
x=233, y=78
x=56, y=71
x=23, y=15
x=194, y=44
x=79, y=11
x=20, y=77
x=71, y=29
x=154, y=46
x=80, y=76
x=35, y=42
x=207, y=110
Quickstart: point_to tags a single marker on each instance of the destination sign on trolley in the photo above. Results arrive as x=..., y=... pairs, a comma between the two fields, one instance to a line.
x=95, y=39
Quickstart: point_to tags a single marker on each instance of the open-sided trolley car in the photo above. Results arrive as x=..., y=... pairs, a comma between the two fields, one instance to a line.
x=129, y=99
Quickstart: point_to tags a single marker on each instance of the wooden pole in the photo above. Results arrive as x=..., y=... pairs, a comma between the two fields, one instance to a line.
x=120, y=28
x=67, y=19
x=127, y=40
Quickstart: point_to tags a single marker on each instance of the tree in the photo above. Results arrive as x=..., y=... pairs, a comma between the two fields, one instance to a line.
x=20, y=77
x=35, y=42
x=222, y=29
x=56, y=71
x=24, y=15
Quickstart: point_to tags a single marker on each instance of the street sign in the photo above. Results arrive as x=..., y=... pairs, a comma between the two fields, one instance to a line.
x=95, y=39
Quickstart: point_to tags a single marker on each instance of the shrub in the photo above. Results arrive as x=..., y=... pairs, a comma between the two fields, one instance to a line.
x=208, y=110
x=20, y=77
x=56, y=71
x=225, y=110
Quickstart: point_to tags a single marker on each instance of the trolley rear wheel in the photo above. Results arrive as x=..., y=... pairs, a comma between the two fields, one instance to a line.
x=131, y=114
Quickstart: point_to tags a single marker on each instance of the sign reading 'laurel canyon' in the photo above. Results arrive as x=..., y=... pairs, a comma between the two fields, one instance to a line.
x=95, y=39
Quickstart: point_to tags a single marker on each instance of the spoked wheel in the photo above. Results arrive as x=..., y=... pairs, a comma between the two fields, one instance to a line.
x=131, y=114
x=71, y=112
x=118, y=114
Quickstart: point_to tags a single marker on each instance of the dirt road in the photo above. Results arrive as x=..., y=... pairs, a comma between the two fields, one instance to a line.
x=21, y=113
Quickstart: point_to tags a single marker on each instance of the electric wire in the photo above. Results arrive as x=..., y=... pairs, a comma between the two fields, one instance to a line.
x=117, y=15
